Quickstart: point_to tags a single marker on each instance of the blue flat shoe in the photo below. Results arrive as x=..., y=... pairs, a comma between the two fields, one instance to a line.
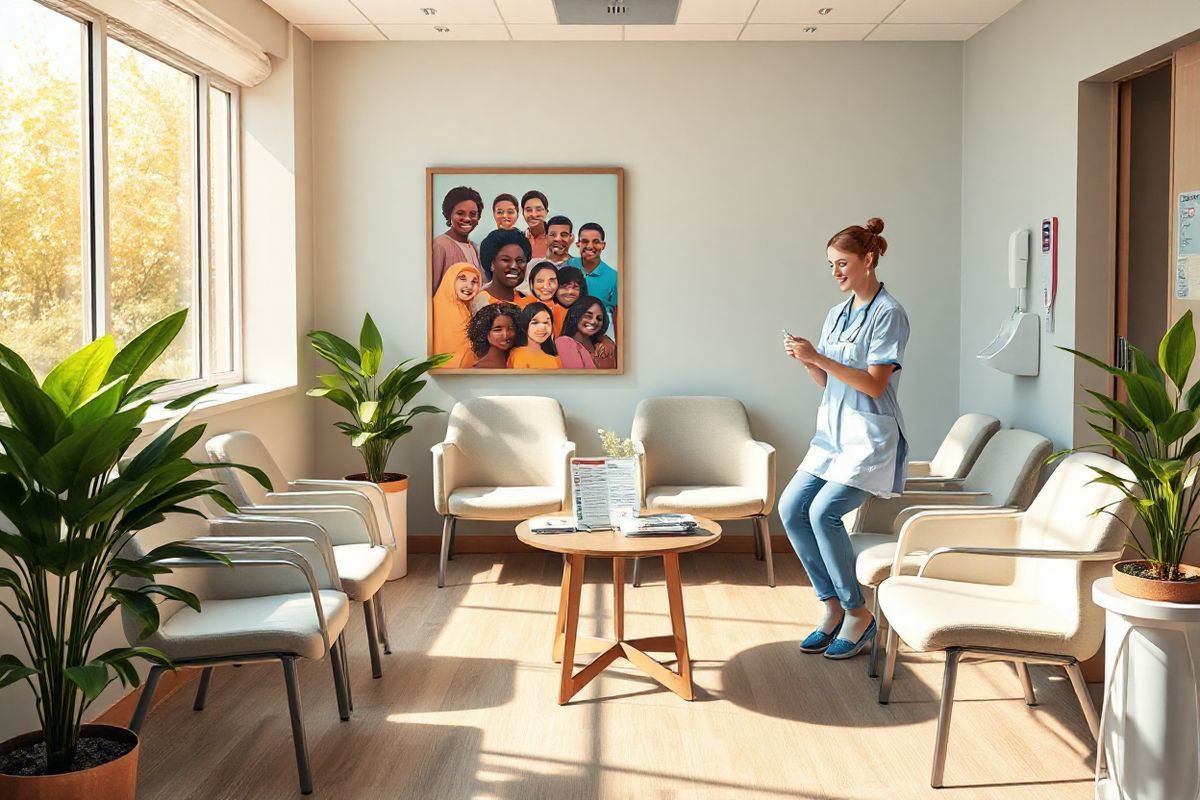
x=844, y=648
x=818, y=640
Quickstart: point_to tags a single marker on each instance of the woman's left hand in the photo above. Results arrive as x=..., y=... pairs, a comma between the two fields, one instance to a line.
x=802, y=349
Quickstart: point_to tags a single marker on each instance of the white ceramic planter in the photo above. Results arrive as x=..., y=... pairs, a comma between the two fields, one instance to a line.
x=1150, y=735
x=396, y=493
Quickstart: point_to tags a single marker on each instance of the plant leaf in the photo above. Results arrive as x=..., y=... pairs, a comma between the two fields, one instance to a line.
x=80, y=375
x=1177, y=350
x=91, y=678
x=371, y=344
x=31, y=410
x=188, y=399
x=140, y=606
x=1144, y=365
x=12, y=670
x=172, y=593
x=334, y=349
x=367, y=411
x=1149, y=397
x=135, y=358
x=10, y=359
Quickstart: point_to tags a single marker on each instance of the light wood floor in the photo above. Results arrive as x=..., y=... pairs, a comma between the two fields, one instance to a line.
x=466, y=707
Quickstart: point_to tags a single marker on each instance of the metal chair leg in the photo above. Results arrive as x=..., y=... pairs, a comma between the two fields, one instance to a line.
x=889, y=666
x=943, y=728
x=339, y=679
x=758, y=547
x=202, y=690
x=381, y=623
x=447, y=528
x=453, y=536
x=298, y=737
x=372, y=638
x=146, y=699
x=873, y=659
x=765, y=529
x=1085, y=699
x=637, y=572
x=346, y=671
x=1026, y=682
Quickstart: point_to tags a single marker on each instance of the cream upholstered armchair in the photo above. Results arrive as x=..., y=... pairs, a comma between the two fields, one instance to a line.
x=359, y=535
x=1043, y=615
x=503, y=459
x=281, y=601
x=697, y=456
x=957, y=452
x=1005, y=476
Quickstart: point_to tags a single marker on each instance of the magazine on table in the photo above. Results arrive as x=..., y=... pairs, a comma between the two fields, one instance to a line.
x=651, y=524
x=552, y=525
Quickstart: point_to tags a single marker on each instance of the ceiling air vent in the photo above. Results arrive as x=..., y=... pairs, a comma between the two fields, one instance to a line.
x=616, y=12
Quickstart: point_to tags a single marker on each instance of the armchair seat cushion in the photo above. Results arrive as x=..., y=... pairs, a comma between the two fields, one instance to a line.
x=715, y=502
x=505, y=502
x=283, y=623
x=363, y=568
x=933, y=614
x=873, y=556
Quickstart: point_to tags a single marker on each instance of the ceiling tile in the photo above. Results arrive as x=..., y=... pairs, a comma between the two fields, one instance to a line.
x=952, y=32
x=408, y=12
x=712, y=12
x=318, y=12
x=567, y=33
x=682, y=33
x=342, y=33
x=978, y=11
x=774, y=12
x=460, y=32
x=527, y=12
x=795, y=33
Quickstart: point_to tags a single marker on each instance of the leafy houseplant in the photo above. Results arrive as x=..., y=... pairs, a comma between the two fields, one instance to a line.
x=1152, y=434
x=70, y=498
x=379, y=414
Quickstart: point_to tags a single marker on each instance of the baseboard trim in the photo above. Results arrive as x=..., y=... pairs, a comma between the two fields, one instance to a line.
x=499, y=543
x=120, y=712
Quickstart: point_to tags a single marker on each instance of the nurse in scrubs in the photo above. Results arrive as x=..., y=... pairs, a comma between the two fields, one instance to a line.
x=859, y=447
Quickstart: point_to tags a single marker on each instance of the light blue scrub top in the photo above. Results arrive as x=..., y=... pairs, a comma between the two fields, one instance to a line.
x=860, y=439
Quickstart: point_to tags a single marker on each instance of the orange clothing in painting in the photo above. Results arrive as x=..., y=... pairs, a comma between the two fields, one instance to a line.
x=451, y=313
x=532, y=358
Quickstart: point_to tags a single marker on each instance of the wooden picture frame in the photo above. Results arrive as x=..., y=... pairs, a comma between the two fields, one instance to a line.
x=591, y=190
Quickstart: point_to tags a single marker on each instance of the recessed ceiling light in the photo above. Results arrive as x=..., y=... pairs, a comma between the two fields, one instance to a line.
x=824, y=11
x=810, y=29
x=429, y=12
x=441, y=29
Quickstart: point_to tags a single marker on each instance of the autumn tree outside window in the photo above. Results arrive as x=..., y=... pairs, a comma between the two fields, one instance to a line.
x=118, y=193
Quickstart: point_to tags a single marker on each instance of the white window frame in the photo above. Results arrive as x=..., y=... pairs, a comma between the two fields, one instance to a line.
x=97, y=311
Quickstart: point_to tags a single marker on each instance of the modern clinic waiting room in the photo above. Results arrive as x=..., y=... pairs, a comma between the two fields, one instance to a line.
x=590, y=399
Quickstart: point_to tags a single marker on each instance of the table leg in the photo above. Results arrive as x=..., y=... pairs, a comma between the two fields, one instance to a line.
x=678, y=626
x=573, y=582
x=619, y=597
x=561, y=617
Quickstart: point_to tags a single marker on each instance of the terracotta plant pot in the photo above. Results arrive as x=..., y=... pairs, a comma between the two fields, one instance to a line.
x=1153, y=589
x=395, y=488
x=116, y=780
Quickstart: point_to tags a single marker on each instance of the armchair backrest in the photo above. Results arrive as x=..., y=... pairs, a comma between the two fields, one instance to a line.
x=962, y=445
x=1063, y=517
x=692, y=441
x=1009, y=467
x=509, y=441
x=243, y=447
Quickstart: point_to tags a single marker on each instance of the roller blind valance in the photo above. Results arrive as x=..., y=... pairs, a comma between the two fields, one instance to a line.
x=185, y=28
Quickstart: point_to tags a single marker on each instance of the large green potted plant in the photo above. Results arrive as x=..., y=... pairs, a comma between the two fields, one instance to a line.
x=1152, y=433
x=73, y=491
x=379, y=414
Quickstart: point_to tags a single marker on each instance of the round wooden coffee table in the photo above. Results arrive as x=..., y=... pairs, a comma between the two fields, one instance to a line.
x=615, y=545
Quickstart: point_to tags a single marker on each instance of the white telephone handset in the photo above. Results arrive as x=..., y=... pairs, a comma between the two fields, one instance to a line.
x=1049, y=268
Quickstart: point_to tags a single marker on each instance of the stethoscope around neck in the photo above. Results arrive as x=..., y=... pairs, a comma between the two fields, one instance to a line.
x=851, y=336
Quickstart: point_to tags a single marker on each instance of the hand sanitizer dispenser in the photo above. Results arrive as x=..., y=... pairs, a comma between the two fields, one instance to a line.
x=1016, y=348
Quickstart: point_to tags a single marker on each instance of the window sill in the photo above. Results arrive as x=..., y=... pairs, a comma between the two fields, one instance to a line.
x=222, y=401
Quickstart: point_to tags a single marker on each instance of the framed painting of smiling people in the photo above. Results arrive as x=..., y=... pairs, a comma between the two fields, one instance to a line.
x=526, y=269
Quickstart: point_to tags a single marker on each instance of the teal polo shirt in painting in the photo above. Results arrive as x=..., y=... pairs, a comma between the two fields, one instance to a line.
x=601, y=283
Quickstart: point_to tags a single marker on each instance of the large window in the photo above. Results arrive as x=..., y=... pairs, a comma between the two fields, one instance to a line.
x=106, y=228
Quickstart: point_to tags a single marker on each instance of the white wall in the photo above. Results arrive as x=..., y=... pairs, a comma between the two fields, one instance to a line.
x=741, y=160
x=1020, y=148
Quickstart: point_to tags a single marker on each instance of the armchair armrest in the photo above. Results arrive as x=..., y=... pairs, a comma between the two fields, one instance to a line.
x=244, y=526
x=568, y=452
x=918, y=469
x=372, y=491
x=343, y=525
x=639, y=457
x=1022, y=552
x=247, y=552
x=345, y=499
x=925, y=532
x=758, y=469
x=446, y=458
x=910, y=512
x=933, y=482
x=878, y=514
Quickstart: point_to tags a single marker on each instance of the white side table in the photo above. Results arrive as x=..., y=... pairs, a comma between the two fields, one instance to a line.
x=1150, y=720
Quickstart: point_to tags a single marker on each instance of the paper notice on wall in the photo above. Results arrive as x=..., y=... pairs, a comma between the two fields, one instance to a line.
x=1187, y=278
x=1187, y=250
x=589, y=479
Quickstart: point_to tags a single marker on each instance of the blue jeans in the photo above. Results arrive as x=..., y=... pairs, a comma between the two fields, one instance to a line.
x=811, y=509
